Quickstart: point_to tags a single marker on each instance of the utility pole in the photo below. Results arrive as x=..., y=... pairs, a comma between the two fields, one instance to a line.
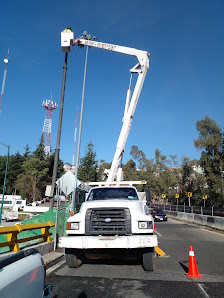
x=66, y=37
x=56, y=157
x=72, y=206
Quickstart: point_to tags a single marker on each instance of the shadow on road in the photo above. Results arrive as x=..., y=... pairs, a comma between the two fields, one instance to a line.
x=184, y=267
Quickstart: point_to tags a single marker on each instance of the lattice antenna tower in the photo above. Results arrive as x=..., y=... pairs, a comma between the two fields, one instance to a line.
x=49, y=105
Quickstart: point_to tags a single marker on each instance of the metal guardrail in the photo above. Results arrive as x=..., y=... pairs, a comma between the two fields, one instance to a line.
x=12, y=232
x=212, y=211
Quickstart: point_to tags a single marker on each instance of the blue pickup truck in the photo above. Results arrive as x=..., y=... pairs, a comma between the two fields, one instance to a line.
x=23, y=275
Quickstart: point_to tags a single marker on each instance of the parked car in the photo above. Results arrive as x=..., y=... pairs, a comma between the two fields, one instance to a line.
x=159, y=215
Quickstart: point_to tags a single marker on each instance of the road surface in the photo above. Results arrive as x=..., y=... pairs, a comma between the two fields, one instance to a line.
x=118, y=278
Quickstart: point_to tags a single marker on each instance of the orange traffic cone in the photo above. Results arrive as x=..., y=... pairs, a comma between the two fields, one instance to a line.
x=192, y=270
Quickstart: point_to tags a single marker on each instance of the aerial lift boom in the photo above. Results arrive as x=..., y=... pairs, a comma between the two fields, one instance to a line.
x=141, y=69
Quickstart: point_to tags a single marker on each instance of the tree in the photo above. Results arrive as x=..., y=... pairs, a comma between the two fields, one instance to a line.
x=3, y=160
x=186, y=179
x=129, y=170
x=14, y=169
x=34, y=170
x=211, y=145
x=27, y=151
x=139, y=156
x=39, y=152
x=88, y=165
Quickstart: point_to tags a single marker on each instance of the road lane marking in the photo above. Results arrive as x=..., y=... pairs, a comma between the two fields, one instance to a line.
x=56, y=266
x=201, y=287
x=160, y=252
x=213, y=232
x=158, y=233
x=178, y=221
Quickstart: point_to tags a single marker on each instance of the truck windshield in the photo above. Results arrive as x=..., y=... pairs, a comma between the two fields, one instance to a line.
x=109, y=193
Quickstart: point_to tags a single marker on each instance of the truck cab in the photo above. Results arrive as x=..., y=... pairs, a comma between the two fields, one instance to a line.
x=113, y=220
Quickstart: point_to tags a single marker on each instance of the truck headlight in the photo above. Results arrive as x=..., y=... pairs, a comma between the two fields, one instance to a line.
x=72, y=226
x=145, y=225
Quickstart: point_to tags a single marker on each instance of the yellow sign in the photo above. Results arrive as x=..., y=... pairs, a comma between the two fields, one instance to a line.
x=205, y=197
x=189, y=194
x=177, y=196
x=163, y=196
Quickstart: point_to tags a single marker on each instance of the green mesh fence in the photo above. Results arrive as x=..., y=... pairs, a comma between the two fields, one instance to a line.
x=41, y=218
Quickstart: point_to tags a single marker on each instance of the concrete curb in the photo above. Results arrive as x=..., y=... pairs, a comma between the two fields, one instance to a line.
x=46, y=250
x=52, y=256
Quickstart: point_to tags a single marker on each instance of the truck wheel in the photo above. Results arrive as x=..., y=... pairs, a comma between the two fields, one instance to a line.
x=72, y=258
x=148, y=262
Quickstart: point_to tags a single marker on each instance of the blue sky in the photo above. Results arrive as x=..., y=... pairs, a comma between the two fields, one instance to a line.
x=184, y=82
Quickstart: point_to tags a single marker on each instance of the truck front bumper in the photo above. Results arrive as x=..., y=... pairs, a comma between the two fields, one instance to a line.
x=91, y=242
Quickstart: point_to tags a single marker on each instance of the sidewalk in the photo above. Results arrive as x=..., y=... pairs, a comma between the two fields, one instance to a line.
x=52, y=256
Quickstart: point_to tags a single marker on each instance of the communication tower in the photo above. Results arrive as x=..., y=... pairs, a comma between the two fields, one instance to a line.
x=49, y=105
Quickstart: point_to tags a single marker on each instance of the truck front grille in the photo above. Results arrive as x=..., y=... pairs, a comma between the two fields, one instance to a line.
x=108, y=221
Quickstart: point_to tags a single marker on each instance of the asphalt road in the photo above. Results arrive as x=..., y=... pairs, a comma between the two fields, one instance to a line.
x=9, y=223
x=119, y=278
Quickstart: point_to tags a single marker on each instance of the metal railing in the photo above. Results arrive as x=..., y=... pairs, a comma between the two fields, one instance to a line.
x=12, y=232
x=212, y=211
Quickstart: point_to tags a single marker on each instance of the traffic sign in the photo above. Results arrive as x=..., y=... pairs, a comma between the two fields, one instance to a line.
x=163, y=196
x=189, y=194
x=205, y=197
x=177, y=196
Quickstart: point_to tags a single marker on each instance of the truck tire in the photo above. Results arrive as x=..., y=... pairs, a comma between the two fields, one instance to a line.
x=148, y=260
x=72, y=258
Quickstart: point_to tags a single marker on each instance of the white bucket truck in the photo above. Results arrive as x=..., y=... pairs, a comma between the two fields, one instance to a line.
x=113, y=220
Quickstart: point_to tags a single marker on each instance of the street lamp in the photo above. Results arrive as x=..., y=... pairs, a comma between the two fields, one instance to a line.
x=7, y=162
x=85, y=36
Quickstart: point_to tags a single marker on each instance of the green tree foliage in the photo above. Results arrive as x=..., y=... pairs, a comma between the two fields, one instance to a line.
x=34, y=170
x=14, y=169
x=129, y=170
x=139, y=156
x=88, y=165
x=3, y=160
x=27, y=151
x=210, y=143
x=165, y=176
x=28, y=174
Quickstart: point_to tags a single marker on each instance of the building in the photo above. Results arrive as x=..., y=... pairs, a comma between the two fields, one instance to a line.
x=12, y=200
x=67, y=167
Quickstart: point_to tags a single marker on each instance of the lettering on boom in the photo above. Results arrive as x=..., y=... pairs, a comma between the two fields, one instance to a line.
x=101, y=45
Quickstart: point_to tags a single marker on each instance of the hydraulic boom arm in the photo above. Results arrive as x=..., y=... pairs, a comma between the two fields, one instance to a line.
x=141, y=69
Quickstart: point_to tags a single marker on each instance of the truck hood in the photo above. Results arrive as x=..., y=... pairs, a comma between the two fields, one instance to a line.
x=135, y=207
